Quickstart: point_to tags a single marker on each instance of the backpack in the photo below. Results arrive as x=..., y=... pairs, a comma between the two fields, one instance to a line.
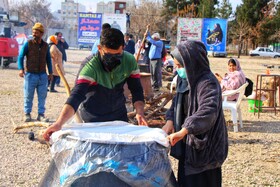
x=249, y=88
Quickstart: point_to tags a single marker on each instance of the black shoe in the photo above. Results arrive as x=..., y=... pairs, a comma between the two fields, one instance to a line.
x=54, y=91
x=27, y=118
x=41, y=117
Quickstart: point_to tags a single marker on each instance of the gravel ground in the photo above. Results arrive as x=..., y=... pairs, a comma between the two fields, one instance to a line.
x=254, y=152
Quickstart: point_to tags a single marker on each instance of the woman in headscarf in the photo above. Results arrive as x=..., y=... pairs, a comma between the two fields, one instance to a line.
x=56, y=56
x=196, y=119
x=233, y=79
x=219, y=33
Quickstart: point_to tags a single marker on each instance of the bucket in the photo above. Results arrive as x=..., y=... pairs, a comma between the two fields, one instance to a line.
x=251, y=104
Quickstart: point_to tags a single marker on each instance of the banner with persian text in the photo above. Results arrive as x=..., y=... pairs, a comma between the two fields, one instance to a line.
x=211, y=31
x=189, y=28
x=89, y=27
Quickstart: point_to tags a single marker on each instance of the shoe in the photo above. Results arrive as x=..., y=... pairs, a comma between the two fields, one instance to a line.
x=41, y=117
x=53, y=91
x=27, y=118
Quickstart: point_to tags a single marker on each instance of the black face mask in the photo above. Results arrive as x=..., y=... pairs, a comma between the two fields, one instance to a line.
x=110, y=61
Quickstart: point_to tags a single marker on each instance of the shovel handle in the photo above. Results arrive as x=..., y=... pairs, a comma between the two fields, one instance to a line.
x=142, y=44
x=68, y=91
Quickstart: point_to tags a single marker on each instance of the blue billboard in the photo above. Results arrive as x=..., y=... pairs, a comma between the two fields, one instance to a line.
x=89, y=27
x=214, y=34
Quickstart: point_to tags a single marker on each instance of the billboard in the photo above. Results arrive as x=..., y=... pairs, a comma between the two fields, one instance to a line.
x=214, y=34
x=189, y=28
x=117, y=21
x=211, y=31
x=89, y=27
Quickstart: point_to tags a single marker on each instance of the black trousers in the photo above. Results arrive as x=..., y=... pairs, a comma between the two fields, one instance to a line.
x=208, y=178
x=53, y=82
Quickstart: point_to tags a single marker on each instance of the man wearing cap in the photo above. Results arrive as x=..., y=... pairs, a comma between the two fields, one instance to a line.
x=34, y=72
x=155, y=59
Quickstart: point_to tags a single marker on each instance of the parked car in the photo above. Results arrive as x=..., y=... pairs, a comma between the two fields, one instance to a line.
x=167, y=45
x=219, y=54
x=264, y=51
x=85, y=46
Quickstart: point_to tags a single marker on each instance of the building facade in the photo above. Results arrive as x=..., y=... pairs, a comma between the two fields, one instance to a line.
x=114, y=7
x=69, y=13
x=4, y=6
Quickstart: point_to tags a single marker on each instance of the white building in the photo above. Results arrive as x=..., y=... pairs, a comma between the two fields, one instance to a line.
x=105, y=7
x=69, y=13
x=4, y=6
x=115, y=7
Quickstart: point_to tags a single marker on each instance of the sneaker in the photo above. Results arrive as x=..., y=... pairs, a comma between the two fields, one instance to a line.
x=27, y=118
x=41, y=117
x=54, y=91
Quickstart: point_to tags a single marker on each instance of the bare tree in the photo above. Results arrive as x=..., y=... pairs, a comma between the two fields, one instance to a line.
x=33, y=11
x=240, y=30
x=148, y=12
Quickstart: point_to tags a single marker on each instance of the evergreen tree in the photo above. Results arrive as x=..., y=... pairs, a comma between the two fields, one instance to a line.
x=206, y=8
x=224, y=10
x=251, y=11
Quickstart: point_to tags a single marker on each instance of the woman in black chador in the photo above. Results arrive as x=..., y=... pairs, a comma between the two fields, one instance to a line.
x=216, y=36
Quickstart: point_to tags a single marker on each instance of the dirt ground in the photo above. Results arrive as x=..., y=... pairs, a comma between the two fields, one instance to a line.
x=254, y=152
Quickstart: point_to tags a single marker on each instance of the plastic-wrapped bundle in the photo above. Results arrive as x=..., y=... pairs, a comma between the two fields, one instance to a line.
x=135, y=155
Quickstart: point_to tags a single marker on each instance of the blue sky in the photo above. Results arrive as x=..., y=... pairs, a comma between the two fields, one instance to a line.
x=91, y=5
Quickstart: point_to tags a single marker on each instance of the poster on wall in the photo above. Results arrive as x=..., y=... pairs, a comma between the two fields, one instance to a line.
x=214, y=34
x=189, y=28
x=89, y=27
x=117, y=21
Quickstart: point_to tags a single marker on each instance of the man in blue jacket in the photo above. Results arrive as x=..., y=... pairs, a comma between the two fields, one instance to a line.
x=155, y=59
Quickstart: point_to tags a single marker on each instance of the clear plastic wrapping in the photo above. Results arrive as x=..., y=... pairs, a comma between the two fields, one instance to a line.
x=136, y=155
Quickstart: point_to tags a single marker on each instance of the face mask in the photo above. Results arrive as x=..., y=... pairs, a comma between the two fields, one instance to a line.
x=182, y=73
x=111, y=61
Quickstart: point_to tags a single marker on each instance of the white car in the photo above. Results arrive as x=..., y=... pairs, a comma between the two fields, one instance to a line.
x=264, y=51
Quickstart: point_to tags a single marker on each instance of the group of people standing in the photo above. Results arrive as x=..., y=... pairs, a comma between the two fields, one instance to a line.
x=98, y=96
x=39, y=55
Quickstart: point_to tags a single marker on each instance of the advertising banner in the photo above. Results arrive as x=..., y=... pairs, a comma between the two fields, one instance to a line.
x=117, y=21
x=214, y=34
x=89, y=27
x=211, y=31
x=189, y=28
